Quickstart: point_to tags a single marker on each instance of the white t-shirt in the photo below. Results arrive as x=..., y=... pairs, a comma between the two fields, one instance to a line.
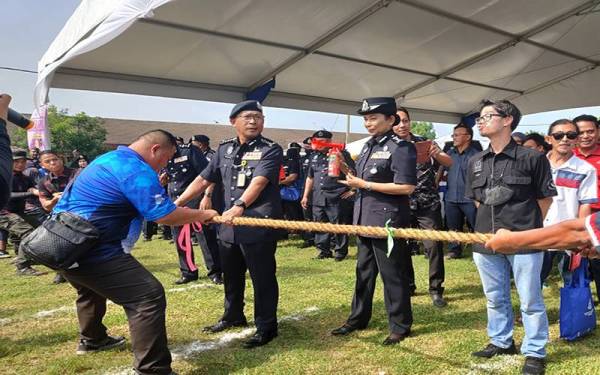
x=576, y=184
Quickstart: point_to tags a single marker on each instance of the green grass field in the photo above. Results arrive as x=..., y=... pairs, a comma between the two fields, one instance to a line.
x=38, y=325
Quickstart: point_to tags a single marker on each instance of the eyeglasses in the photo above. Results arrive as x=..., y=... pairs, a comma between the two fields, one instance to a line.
x=248, y=118
x=487, y=117
x=560, y=135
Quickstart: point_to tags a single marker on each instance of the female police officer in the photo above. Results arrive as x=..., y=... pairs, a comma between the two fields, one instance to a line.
x=385, y=177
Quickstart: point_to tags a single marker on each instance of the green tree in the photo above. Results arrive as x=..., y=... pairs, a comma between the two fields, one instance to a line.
x=81, y=132
x=423, y=128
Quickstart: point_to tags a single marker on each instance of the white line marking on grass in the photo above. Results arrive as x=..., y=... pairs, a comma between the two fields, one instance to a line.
x=493, y=366
x=195, y=347
x=193, y=286
x=5, y=321
x=49, y=313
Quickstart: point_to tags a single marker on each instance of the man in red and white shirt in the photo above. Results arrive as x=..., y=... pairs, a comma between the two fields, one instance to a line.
x=589, y=150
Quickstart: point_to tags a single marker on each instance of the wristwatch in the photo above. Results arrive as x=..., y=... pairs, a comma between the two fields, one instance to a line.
x=240, y=203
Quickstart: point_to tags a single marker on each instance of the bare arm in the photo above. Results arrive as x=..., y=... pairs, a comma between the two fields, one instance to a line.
x=308, y=186
x=545, y=204
x=439, y=155
x=390, y=188
x=197, y=187
x=185, y=216
x=289, y=179
x=564, y=235
x=585, y=210
x=257, y=184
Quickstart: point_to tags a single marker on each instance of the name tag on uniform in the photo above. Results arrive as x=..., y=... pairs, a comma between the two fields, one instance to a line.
x=254, y=155
x=181, y=159
x=381, y=155
x=241, y=179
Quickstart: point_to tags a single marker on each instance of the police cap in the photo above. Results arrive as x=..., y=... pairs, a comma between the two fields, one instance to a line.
x=248, y=105
x=322, y=134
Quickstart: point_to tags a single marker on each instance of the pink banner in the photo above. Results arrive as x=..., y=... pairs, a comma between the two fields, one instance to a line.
x=39, y=135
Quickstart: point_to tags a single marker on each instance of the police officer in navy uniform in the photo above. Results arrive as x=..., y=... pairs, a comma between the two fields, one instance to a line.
x=248, y=165
x=385, y=177
x=207, y=238
x=331, y=201
x=308, y=237
x=182, y=169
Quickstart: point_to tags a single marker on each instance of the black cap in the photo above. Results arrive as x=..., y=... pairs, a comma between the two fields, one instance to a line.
x=294, y=145
x=248, y=105
x=19, y=154
x=384, y=105
x=322, y=134
x=201, y=138
x=519, y=136
x=306, y=141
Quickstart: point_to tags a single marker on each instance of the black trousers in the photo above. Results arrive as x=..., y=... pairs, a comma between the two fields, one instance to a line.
x=373, y=259
x=595, y=269
x=259, y=260
x=338, y=213
x=428, y=218
x=17, y=228
x=207, y=239
x=127, y=283
x=308, y=216
x=292, y=210
x=149, y=229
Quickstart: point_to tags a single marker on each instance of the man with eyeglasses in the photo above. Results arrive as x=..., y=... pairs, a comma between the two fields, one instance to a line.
x=512, y=188
x=456, y=206
x=576, y=184
x=425, y=206
x=589, y=150
x=248, y=166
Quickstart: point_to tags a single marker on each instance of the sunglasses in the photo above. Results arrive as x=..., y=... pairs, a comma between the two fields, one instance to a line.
x=560, y=135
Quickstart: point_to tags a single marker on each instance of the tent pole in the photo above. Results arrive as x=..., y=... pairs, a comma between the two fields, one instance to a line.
x=347, y=129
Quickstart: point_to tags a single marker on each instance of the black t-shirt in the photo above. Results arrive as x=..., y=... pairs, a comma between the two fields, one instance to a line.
x=20, y=184
x=6, y=163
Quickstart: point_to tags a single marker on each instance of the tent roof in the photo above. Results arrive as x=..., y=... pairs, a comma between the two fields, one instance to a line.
x=437, y=58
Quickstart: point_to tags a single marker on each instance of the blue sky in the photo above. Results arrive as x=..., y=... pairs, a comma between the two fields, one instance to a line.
x=35, y=23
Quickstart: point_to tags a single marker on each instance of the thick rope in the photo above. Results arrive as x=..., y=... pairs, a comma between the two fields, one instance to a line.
x=311, y=226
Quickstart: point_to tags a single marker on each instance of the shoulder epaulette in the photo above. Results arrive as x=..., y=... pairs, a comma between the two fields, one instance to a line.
x=397, y=139
x=227, y=140
x=185, y=145
x=268, y=141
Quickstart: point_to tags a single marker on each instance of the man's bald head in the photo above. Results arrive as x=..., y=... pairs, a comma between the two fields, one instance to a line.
x=157, y=147
x=157, y=137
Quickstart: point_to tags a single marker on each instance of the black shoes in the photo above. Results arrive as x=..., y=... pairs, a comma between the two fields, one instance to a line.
x=492, y=350
x=59, y=279
x=216, y=279
x=344, y=330
x=4, y=254
x=395, y=338
x=185, y=280
x=109, y=342
x=306, y=244
x=324, y=256
x=534, y=366
x=438, y=300
x=452, y=255
x=29, y=271
x=222, y=325
x=259, y=339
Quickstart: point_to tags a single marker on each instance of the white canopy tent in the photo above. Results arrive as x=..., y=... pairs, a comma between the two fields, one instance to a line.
x=438, y=58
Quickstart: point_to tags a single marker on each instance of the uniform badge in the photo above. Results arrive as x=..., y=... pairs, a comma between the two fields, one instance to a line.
x=365, y=106
x=180, y=159
x=184, y=170
x=478, y=166
x=381, y=155
x=254, y=155
x=385, y=148
x=229, y=150
x=315, y=157
x=373, y=170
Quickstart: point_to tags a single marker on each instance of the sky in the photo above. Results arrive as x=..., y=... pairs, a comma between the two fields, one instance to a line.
x=33, y=24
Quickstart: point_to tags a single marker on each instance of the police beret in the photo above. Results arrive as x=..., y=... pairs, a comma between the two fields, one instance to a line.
x=19, y=154
x=322, y=134
x=201, y=138
x=384, y=105
x=248, y=105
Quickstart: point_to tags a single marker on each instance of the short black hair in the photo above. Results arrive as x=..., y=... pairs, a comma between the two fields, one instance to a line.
x=539, y=140
x=47, y=152
x=466, y=127
x=589, y=118
x=504, y=108
x=403, y=109
x=562, y=121
x=159, y=136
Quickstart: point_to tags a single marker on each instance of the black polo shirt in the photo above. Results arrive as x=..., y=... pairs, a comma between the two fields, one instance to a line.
x=526, y=172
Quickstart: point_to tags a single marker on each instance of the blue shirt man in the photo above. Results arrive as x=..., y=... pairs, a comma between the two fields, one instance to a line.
x=110, y=193
x=457, y=206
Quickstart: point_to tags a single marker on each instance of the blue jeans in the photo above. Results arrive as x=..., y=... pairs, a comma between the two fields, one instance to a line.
x=456, y=213
x=494, y=270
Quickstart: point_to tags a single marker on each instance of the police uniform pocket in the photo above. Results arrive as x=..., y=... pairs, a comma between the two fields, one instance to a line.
x=384, y=214
x=477, y=185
